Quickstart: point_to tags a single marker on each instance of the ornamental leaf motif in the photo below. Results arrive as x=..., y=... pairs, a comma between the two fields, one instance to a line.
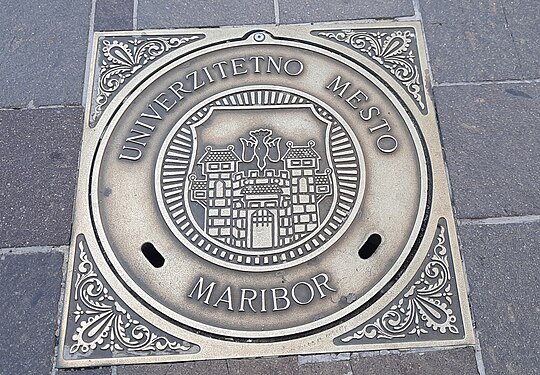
x=425, y=306
x=393, y=51
x=122, y=59
x=103, y=323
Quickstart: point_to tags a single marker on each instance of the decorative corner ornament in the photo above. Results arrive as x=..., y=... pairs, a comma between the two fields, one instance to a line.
x=396, y=50
x=121, y=58
x=428, y=303
x=103, y=323
x=258, y=191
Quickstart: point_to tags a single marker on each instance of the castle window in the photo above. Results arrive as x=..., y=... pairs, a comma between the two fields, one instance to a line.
x=296, y=163
x=213, y=166
x=219, y=189
x=303, y=185
x=307, y=163
x=322, y=189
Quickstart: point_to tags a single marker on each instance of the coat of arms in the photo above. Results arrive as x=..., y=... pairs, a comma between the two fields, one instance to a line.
x=260, y=207
x=251, y=186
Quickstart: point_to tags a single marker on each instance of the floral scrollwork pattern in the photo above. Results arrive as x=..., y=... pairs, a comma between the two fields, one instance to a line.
x=104, y=324
x=393, y=51
x=123, y=58
x=426, y=305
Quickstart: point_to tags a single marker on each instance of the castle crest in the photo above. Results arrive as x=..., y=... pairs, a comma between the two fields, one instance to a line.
x=262, y=196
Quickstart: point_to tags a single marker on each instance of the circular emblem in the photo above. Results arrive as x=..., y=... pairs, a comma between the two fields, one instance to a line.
x=235, y=185
x=266, y=196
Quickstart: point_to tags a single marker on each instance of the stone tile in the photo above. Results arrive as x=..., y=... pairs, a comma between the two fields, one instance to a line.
x=300, y=11
x=522, y=19
x=113, y=15
x=43, y=52
x=490, y=136
x=29, y=291
x=469, y=41
x=441, y=362
x=164, y=14
x=502, y=268
x=264, y=366
x=38, y=167
x=86, y=371
x=326, y=368
x=215, y=367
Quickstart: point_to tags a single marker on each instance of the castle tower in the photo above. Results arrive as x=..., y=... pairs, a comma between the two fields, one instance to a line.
x=219, y=167
x=302, y=162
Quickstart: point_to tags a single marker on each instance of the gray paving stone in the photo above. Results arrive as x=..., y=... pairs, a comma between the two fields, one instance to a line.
x=502, y=268
x=300, y=11
x=164, y=13
x=264, y=366
x=469, y=41
x=38, y=168
x=29, y=291
x=43, y=47
x=216, y=367
x=113, y=15
x=490, y=136
x=441, y=362
x=326, y=368
x=86, y=371
x=522, y=18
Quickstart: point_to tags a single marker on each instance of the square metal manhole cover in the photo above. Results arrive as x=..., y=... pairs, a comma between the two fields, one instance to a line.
x=261, y=191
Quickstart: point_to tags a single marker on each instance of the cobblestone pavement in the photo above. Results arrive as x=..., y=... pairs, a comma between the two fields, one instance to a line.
x=485, y=65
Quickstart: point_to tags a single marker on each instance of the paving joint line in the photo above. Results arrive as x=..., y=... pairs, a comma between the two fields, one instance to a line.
x=227, y=365
x=417, y=12
x=323, y=358
x=380, y=353
x=30, y=106
x=429, y=75
x=276, y=11
x=33, y=250
x=89, y=51
x=167, y=372
x=406, y=18
x=356, y=21
x=483, y=83
x=54, y=370
x=135, y=12
x=478, y=355
x=525, y=219
x=352, y=369
x=507, y=26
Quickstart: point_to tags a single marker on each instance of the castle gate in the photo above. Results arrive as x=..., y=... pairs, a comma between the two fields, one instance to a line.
x=262, y=228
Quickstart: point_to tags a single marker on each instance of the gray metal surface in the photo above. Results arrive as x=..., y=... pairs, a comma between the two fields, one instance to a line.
x=260, y=192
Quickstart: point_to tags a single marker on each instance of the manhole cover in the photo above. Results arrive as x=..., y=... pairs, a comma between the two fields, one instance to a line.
x=260, y=191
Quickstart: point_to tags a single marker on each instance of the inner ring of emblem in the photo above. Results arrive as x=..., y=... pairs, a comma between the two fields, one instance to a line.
x=269, y=198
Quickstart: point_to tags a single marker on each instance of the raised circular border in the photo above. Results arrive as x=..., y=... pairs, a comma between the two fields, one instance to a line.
x=280, y=258
x=134, y=87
